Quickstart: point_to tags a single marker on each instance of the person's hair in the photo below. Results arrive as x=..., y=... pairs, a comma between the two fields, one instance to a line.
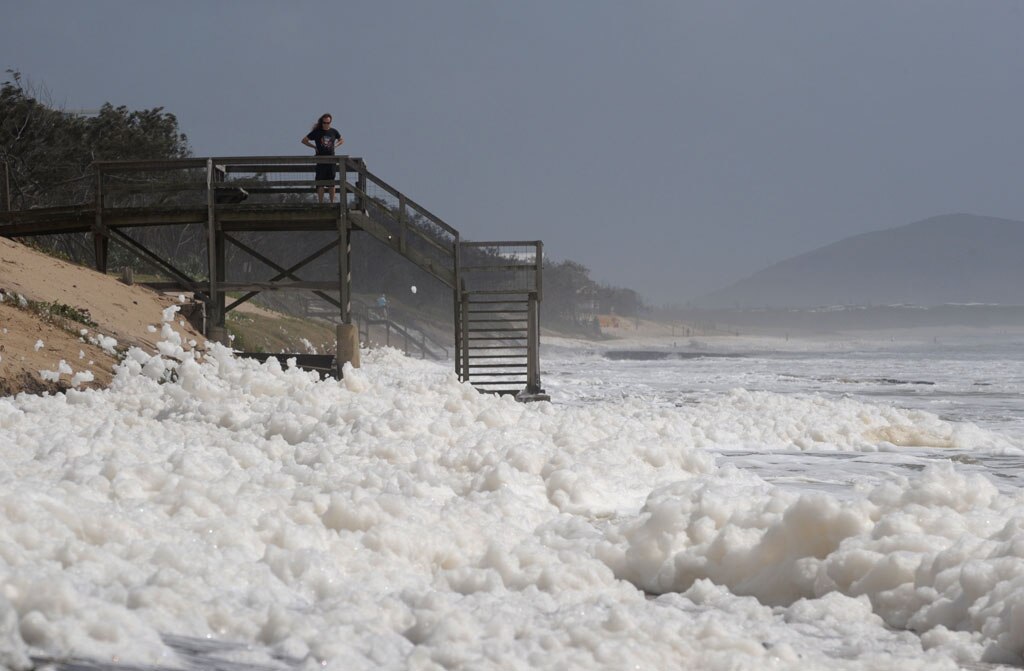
x=321, y=120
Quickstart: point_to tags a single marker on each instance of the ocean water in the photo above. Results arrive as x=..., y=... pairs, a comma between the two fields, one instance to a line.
x=975, y=379
x=788, y=506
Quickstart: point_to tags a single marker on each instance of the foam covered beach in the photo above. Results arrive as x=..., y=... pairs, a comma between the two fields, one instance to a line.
x=399, y=519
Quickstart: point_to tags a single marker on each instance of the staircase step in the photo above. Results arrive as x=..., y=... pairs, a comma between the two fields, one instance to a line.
x=476, y=383
x=521, y=366
x=492, y=301
x=474, y=348
x=497, y=320
x=498, y=311
x=497, y=356
x=498, y=327
x=496, y=338
x=497, y=330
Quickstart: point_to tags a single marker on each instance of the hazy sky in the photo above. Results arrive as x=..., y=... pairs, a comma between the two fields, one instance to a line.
x=670, y=146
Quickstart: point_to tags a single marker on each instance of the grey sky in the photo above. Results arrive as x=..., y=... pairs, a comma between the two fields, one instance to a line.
x=672, y=147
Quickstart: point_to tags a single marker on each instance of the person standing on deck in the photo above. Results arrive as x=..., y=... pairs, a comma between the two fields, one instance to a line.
x=323, y=139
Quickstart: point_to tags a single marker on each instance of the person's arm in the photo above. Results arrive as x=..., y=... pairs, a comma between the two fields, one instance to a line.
x=305, y=141
x=339, y=140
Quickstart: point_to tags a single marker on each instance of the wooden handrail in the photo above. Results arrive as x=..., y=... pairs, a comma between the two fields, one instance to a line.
x=176, y=163
x=502, y=243
x=288, y=164
x=410, y=203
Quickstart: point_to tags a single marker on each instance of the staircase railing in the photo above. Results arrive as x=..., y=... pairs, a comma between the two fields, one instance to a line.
x=403, y=224
x=412, y=335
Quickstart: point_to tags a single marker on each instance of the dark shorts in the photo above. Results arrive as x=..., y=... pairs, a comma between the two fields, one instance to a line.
x=325, y=172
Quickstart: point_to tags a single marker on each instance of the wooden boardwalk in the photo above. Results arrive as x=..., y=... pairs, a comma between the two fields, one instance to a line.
x=229, y=196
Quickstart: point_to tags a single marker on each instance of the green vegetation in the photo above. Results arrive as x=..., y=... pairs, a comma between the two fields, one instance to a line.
x=48, y=152
x=65, y=317
x=51, y=310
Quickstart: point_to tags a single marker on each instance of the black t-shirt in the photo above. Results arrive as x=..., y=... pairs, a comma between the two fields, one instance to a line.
x=324, y=140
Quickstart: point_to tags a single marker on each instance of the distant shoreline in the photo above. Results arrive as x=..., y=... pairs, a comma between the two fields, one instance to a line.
x=837, y=318
x=657, y=355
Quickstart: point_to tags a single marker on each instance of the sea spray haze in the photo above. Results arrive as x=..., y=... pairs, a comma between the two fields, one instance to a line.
x=399, y=519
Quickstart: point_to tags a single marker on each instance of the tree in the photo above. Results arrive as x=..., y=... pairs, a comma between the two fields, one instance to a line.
x=564, y=285
x=48, y=151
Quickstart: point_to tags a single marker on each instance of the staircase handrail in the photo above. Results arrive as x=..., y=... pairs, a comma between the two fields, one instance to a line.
x=536, y=266
x=404, y=214
x=362, y=311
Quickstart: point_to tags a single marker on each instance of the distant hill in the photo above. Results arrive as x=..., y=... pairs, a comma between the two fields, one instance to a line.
x=955, y=258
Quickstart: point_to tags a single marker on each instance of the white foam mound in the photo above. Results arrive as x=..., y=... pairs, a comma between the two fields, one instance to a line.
x=940, y=553
x=398, y=518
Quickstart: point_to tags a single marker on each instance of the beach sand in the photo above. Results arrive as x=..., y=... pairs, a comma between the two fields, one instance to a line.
x=121, y=312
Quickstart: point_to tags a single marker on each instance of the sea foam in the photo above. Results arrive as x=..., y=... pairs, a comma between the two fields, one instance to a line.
x=399, y=518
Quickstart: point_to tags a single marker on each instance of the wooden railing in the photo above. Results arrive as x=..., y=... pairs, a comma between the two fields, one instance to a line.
x=228, y=184
x=409, y=333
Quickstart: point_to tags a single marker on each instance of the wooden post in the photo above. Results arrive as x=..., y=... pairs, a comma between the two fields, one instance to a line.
x=344, y=250
x=347, y=334
x=464, y=337
x=361, y=185
x=402, y=224
x=100, y=242
x=222, y=269
x=348, y=347
x=344, y=269
x=342, y=170
x=215, y=318
x=456, y=302
x=532, y=346
x=539, y=271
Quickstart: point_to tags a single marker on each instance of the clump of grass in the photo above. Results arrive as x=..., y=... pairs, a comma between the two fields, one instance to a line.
x=236, y=329
x=54, y=309
x=50, y=311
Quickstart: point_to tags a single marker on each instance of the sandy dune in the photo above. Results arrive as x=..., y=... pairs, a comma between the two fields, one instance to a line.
x=120, y=311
